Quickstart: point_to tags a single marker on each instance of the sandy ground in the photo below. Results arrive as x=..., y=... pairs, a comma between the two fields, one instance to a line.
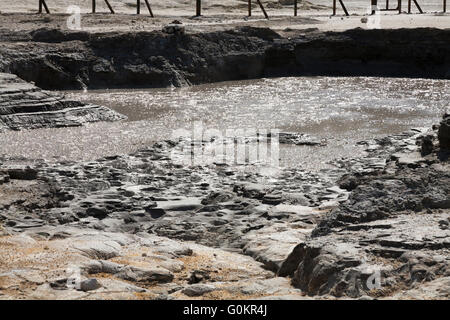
x=217, y=15
x=174, y=7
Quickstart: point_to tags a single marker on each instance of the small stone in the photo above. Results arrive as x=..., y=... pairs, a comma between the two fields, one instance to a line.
x=198, y=276
x=60, y=284
x=20, y=172
x=173, y=29
x=96, y=212
x=145, y=275
x=4, y=178
x=427, y=145
x=444, y=132
x=197, y=290
x=89, y=285
x=156, y=213
x=273, y=199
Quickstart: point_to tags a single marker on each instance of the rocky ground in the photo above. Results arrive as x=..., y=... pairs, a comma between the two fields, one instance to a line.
x=143, y=226
x=72, y=263
x=381, y=218
x=395, y=222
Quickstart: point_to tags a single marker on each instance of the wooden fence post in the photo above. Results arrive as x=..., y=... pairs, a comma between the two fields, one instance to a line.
x=45, y=6
x=42, y=4
x=418, y=6
x=343, y=7
x=262, y=8
x=149, y=8
x=109, y=6
x=374, y=4
x=198, y=11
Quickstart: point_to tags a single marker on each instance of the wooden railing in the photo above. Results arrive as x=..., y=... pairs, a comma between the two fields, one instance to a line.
x=43, y=6
x=398, y=8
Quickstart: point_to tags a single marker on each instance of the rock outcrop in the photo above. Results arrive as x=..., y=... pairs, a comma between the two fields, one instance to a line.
x=25, y=106
x=56, y=59
x=444, y=132
x=391, y=235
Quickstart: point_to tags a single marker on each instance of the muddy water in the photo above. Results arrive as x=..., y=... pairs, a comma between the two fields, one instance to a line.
x=341, y=110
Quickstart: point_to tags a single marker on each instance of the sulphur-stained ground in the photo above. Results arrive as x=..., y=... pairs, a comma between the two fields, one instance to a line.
x=62, y=264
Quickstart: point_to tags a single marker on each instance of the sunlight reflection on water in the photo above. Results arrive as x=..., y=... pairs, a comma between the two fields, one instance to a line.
x=341, y=110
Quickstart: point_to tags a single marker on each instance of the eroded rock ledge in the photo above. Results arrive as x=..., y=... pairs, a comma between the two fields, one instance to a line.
x=25, y=106
x=56, y=59
x=395, y=226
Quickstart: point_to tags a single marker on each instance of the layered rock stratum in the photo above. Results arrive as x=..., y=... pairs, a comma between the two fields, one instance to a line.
x=25, y=106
